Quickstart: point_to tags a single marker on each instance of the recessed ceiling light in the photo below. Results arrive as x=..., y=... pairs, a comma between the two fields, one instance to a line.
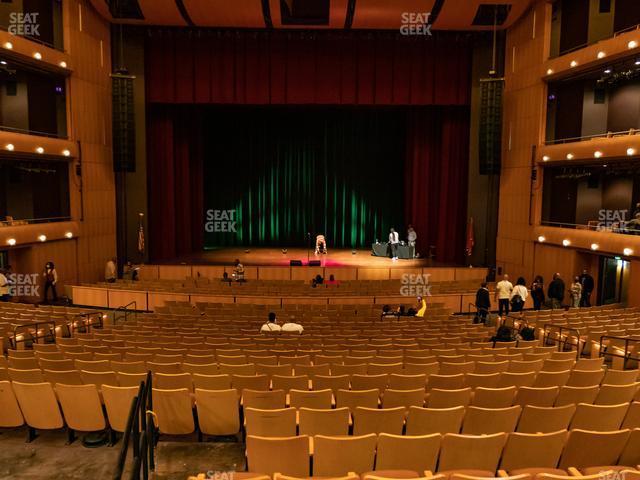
x=601, y=54
x=569, y=156
x=9, y=146
x=42, y=238
x=40, y=150
x=11, y=241
x=566, y=242
x=597, y=154
x=37, y=56
x=595, y=246
x=628, y=252
x=631, y=151
x=542, y=238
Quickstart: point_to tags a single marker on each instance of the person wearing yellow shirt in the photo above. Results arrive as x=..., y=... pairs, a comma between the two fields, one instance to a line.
x=422, y=307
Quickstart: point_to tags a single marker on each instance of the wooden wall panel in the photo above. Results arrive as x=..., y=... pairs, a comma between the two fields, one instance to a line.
x=213, y=272
x=399, y=273
x=211, y=299
x=341, y=273
x=155, y=299
x=174, y=272
x=307, y=273
x=121, y=298
x=479, y=274
x=373, y=274
x=149, y=272
x=440, y=274
x=90, y=297
x=634, y=284
x=274, y=273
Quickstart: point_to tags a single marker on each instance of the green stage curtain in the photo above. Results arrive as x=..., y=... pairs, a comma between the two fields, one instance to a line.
x=288, y=172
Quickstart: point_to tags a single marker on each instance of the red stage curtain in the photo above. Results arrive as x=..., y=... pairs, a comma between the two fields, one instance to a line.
x=436, y=180
x=174, y=171
x=352, y=68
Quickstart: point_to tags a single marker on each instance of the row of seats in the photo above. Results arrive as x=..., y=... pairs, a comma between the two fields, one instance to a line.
x=483, y=455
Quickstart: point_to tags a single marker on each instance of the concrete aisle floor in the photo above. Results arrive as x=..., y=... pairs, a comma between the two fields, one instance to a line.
x=49, y=458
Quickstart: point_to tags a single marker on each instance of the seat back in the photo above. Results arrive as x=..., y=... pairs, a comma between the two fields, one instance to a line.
x=323, y=421
x=589, y=449
x=524, y=450
x=341, y=455
x=218, y=411
x=117, y=402
x=545, y=419
x=401, y=452
x=289, y=456
x=483, y=421
x=425, y=421
x=375, y=420
x=39, y=405
x=462, y=452
x=81, y=407
x=270, y=423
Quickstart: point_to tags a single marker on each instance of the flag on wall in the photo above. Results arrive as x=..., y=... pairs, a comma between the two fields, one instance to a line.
x=140, y=234
x=471, y=241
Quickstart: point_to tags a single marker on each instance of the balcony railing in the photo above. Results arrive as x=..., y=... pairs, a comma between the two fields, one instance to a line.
x=631, y=131
x=598, y=226
x=32, y=221
x=587, y=44
x=25, y=131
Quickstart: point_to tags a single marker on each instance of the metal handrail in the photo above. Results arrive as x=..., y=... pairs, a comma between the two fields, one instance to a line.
x=86, y=322
x=29, y=336
x=126, y=311
x=626, y=356
x=548, y=330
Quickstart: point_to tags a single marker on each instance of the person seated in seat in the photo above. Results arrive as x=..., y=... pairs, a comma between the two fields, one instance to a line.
x=422, y=307
x=321, y=244
x=290, y=326
x=387, y=312
x=238, y=271
x=271, y=326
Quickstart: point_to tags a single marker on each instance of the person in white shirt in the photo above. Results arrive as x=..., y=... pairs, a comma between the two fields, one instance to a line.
x=519, y=295
x=394, y=241
x=412, y=236
x=111, y=271
x=271, y=326
x=290, y=326
x=503, y=295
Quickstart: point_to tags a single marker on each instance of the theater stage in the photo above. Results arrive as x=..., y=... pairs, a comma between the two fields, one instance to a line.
x=263, y=256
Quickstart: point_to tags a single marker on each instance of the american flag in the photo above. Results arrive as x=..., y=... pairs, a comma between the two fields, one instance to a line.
x=140, y=235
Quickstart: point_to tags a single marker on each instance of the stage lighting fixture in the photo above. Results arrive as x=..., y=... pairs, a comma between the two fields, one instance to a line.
x=566, y=242
x=628, y=252
x=11, y=241
x=542, y=239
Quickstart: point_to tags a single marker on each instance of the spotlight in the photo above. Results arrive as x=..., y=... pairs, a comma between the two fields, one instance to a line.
x=569, y=156
x=63, y=64
x=11, y=241
x=9, y=146
x=68, y=235
x=631, y=151
x=8, y=45
x=545, y=158
x=628, y=252
x=42, y=238
x=597, y=154
x=542, y=239
x=601, y=54
x=566, y=242
x=37, y=56
x=632, y=44
x=40, y=150
x=66, y=152
x=595, y=246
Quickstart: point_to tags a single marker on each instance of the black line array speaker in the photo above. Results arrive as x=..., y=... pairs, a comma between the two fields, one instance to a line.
x=295, y=263
x=124, y=130
x=314, y=263
x=490, y=137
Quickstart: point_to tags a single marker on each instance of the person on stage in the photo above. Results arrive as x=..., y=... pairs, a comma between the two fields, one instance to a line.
x=412, y=236
x=321, y=244
x=394, y=241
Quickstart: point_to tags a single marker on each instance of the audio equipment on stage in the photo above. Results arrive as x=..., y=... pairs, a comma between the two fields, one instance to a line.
x=314, y=263
x=295, y=263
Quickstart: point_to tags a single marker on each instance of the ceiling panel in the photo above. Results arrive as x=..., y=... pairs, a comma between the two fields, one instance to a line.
x=226, y=13
x=459, y=14
x=161, y=12
x=383, y=14
x=337, y=15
